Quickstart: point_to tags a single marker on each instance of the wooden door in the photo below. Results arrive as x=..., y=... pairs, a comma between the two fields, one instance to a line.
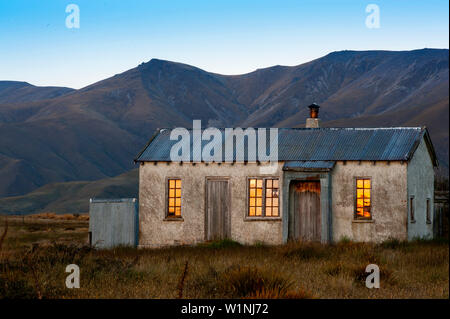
x=307, y=215
x=218, y=212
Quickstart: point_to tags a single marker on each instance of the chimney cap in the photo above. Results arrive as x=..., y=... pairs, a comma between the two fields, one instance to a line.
x=314, y=111
x=314, y=106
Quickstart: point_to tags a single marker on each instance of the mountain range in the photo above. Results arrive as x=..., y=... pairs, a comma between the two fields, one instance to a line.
x=57, y=134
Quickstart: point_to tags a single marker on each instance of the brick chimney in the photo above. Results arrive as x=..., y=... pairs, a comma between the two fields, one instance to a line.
x=313, y=121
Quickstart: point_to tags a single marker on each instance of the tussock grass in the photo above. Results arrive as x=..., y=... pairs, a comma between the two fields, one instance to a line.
x=247, y=281
x=35, y=253
x=225, y=243
x=304, y=251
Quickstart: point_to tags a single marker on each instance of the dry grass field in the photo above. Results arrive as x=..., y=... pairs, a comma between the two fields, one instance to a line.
x=35, y=252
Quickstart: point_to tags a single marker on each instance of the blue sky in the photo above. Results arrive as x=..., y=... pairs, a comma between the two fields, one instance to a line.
x=228, y=37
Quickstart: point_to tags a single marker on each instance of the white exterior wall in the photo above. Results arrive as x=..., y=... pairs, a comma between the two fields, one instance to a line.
x=421, y=186
x=156, y=231
x=389, y=205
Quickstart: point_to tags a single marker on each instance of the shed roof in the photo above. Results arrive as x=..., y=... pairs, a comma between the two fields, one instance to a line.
x=317, y=144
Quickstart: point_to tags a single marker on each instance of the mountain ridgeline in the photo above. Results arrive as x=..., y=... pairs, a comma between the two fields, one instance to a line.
x=50, y=134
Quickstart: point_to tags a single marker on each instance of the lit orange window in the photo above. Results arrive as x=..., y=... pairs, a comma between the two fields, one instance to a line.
x=272, y=197
x=255, y=197
x=263, y=198
x=174, y=198
x=363, y=198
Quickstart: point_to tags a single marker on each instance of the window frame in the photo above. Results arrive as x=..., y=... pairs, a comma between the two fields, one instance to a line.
x=355, y=200
x=167, y=215
x=263, y=207
x=412, y=209
x=428, y=210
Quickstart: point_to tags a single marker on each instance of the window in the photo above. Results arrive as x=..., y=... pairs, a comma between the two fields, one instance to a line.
x=174, y=198
x=255, y=197
x=428, y=211
x=263, y=197
x=271, y=199
x=363, y=198
x=411, y=209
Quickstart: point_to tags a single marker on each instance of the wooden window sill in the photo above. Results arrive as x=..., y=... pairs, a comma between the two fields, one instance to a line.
x=173, y=219
x=363, y=221
x=258, y=219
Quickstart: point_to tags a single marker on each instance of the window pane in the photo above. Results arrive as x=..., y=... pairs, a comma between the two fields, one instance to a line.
x=275, y=193
x=171, y=209
x=268, y=192
x=367, y=183
x=359, y=183
x=367, y=193
x=275, y=211
x=252, y=192
x=259, y=192
x=268, y=202
x=258, y=211
x=252, y=202
x=178, y=183
x=269, y=183
x=252, y=211
x=178, y=192
x=359, y=193
x=171, y=202
x=275, y=202
x=366, y=212
x=259, y=202
x=275, y=183
x=178, y=202
x=259, y=183
x=366, y=202
x=178, y=211
x=172, y=183
x=359, y=211
x=268, y=211
x=359, y=203
x=171, y=193
x=252, y=182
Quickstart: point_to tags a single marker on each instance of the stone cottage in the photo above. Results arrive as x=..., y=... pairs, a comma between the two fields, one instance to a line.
x=364, y=184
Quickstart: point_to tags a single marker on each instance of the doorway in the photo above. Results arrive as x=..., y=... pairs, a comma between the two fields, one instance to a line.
x=305, y=217
x=218, y=223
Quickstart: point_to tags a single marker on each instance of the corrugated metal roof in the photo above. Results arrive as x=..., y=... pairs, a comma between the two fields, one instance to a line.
x=319, y=144
x=301, y=166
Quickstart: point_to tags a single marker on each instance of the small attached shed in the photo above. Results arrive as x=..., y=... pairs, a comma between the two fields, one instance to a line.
x=113, y=222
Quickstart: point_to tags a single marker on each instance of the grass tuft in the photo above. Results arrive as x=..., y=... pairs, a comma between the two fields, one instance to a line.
x=224, y=243
x=304, y=251
x=394, y=243
x=245, y=281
